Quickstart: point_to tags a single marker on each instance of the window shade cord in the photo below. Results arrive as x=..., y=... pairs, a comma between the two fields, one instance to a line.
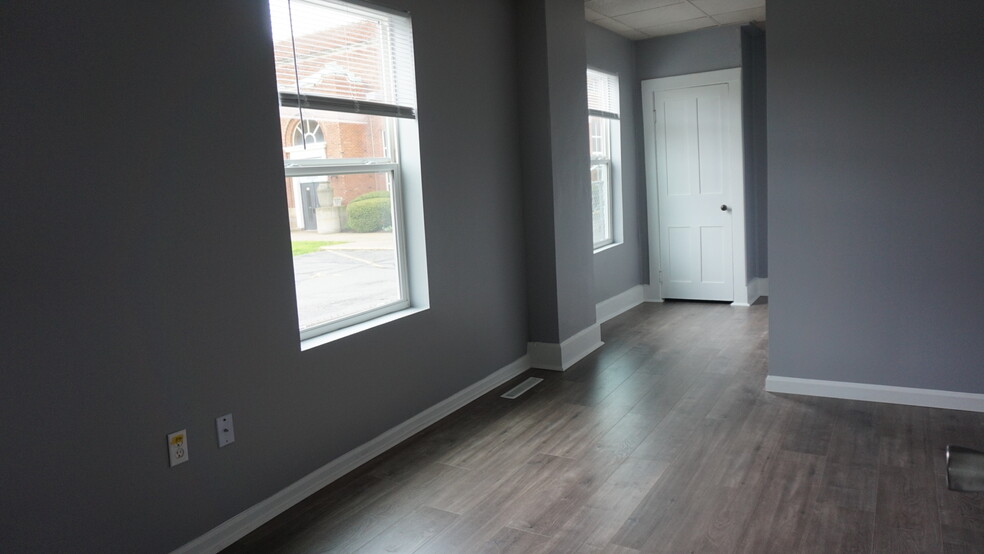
x=297, y=78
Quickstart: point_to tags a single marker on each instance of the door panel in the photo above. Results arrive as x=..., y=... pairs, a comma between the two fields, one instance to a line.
x=712, y=256
x=679, y=160
x=680, y=249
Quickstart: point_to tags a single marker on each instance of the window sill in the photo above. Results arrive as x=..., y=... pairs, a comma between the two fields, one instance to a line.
x=607, y=247
x=337, y=334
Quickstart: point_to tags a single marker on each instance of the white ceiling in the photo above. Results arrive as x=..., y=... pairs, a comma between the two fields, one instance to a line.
x=639, y=19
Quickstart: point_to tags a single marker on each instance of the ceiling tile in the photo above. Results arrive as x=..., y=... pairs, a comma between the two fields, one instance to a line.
x=622, y=7
x=742, y=16
x=591, y=15
x=612, y=25
x=661, y=16
x=679, y=27
x=714, y=7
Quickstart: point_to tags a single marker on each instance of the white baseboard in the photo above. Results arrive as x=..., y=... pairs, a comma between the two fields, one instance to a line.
x=619, y=304
x=241, y=525
x=877, y=393
x=758, y=287
x=652, y=293
x=559, y=357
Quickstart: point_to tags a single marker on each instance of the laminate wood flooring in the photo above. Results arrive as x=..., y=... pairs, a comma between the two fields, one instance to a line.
x=663, y=440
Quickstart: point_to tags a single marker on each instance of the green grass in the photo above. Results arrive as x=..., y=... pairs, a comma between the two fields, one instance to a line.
x=307, y=246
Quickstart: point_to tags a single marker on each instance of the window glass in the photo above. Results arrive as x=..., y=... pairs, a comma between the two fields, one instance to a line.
x=335, y=135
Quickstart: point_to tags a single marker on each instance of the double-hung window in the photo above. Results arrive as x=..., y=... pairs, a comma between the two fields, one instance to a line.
x=603, y=132
x=345, y=77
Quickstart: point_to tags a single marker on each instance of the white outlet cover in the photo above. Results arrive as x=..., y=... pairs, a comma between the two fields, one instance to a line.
x=224, y=430
x=177, y=447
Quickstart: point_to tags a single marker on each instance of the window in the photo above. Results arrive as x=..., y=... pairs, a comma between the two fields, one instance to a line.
x=347, y=108
x=603, y=132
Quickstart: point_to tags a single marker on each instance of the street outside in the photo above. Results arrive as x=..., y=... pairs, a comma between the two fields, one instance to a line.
x=344, y=279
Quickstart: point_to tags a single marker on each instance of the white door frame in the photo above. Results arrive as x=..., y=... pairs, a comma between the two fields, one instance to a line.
x=735, y=166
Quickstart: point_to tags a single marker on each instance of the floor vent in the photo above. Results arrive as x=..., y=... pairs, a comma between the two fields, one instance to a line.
x=519, y=389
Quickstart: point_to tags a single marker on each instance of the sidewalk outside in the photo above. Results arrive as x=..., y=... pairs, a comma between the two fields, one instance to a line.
x=352, y=241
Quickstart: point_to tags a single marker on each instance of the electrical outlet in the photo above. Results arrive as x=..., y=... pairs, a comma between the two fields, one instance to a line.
x=177, y=447
x=224, y=430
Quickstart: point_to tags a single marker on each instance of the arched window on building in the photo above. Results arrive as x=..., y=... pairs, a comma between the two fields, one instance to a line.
x=306, y=133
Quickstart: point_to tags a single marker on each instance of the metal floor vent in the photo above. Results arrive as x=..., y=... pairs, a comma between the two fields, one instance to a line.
x=519, y=389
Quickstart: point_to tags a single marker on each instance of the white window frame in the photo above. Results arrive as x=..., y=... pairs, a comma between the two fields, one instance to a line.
x=603, y=104
x=401, y=130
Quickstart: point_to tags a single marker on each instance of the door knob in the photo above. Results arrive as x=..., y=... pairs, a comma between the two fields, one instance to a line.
x=724, y=207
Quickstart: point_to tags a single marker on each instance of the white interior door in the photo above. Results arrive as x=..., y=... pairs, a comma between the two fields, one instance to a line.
x=696, y=182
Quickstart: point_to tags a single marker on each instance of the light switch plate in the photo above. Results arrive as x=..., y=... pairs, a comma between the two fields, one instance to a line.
x=224, y=430
x=177, y=447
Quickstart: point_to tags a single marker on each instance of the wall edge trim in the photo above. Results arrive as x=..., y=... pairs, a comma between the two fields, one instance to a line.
x=619, y=304
x=929, y=398
x=560, y=357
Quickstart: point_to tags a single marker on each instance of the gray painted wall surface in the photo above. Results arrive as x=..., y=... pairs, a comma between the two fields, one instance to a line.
x=556, y=169
x=537, y=173
x=696, y=52
x=875, y=164
x=571, y=167
x=147, y=271
x=754, y=138
x=626, y=265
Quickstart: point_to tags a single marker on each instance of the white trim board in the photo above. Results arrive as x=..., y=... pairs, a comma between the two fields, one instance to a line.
x=652, y=294
x=245, y=522
x=929, y=398
x=619, y=304
x=757, y=288
x=560, y=357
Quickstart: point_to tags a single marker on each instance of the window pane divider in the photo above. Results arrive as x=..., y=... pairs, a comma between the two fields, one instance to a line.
x=337, y=169
x=343, y=322
x=602, y=113
x=331, y=104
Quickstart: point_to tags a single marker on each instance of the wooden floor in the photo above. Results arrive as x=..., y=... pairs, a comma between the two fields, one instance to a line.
x=661, y=441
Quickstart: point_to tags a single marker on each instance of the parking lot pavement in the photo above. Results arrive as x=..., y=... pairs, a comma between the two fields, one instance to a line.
x=334, y=283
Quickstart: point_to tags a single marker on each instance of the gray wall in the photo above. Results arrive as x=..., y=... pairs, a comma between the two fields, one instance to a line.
x=875, y=163
x=556, y=168
x=147, y=271
x=703, y=50
x=572, y=178
x=753, y=78
x=622, y=267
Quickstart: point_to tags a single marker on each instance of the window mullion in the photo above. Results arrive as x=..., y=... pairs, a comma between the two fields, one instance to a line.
x=312, y=170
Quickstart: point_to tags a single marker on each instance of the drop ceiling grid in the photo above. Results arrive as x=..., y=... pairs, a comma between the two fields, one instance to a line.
x=639, y=19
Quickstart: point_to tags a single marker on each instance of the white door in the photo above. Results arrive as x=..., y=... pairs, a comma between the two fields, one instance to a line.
x=694, y=143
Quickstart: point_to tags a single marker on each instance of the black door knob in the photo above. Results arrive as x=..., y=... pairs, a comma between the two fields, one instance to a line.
x=724, y=207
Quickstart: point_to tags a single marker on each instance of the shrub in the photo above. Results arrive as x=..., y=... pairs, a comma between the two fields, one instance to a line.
x=370, y=195
x=366, y=215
